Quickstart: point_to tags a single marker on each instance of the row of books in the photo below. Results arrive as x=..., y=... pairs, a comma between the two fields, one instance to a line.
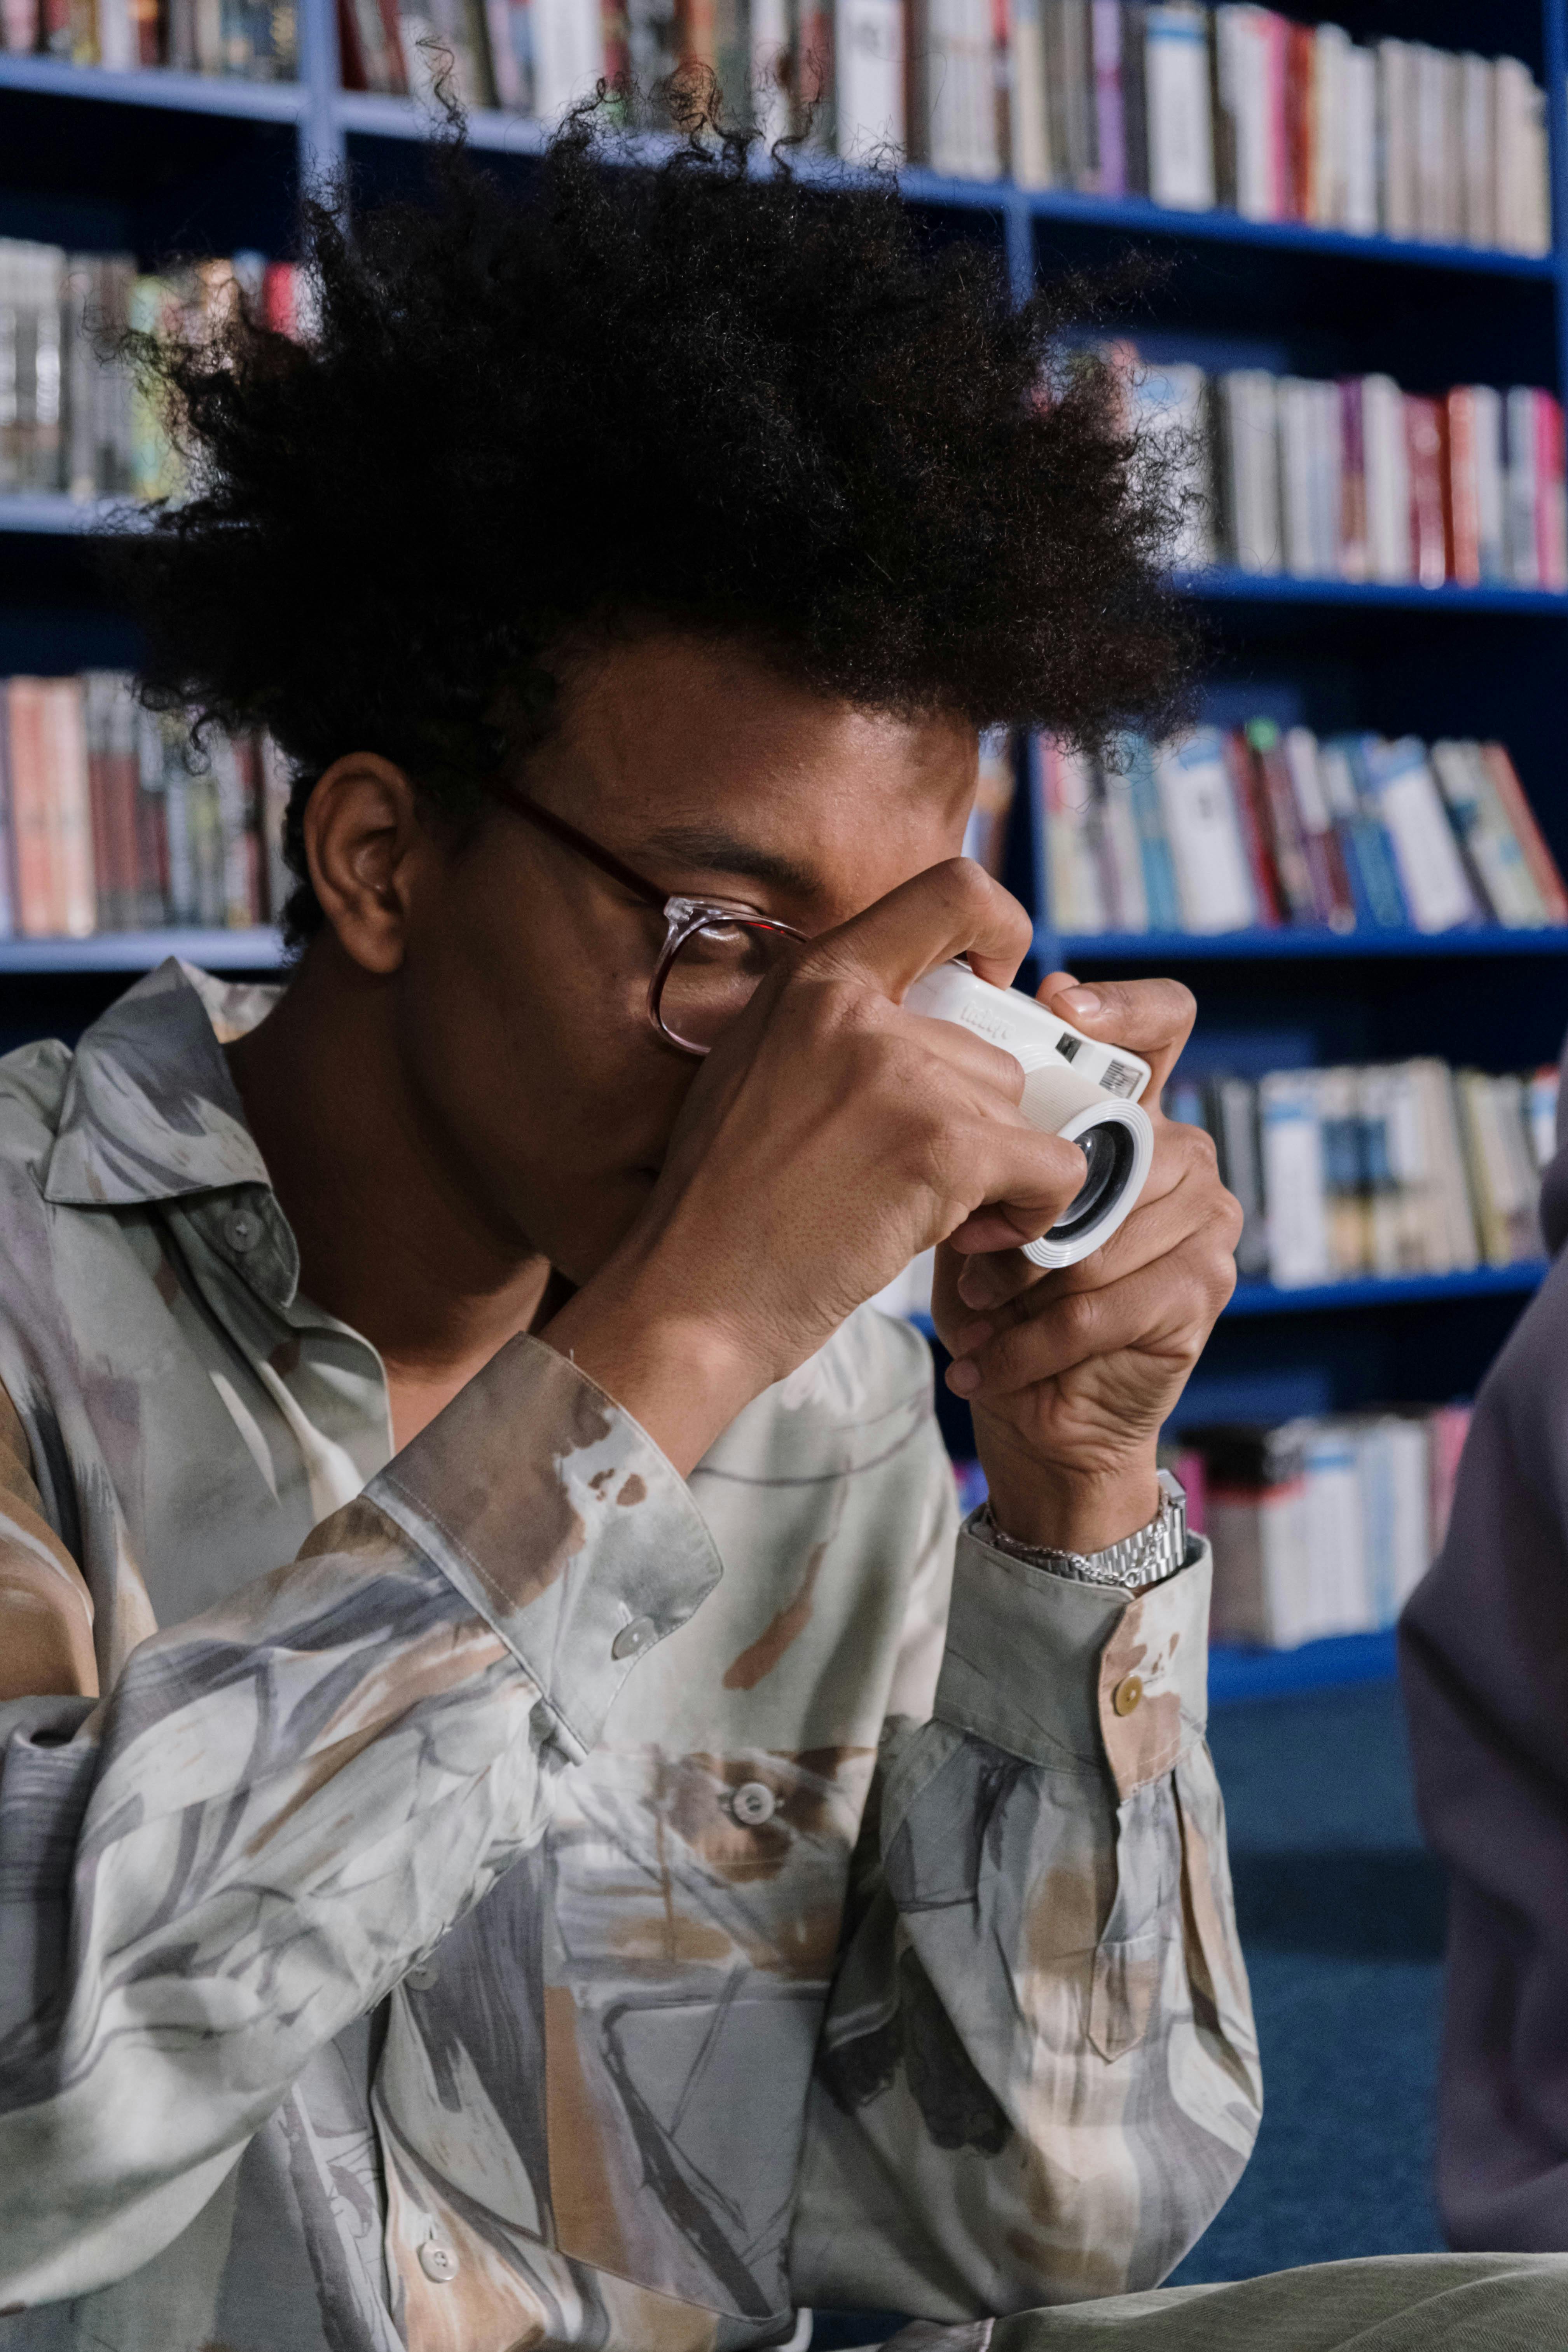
x=1323, y=1525
x=1241, y=107
x=72, y=417
x=1380, y=1171
x=257, y=39
x=1259, y=826
x=1356, y=479
x=1189, y=106
x=112, y=820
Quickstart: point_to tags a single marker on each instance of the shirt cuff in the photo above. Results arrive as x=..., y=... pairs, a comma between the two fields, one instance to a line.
x=555, y=1513
x=1076, y=1676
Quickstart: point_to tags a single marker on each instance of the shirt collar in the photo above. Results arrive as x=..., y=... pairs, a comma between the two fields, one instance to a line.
x=150, y=1110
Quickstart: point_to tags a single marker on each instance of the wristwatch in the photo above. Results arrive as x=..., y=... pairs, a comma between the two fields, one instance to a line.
x=1148, y=1557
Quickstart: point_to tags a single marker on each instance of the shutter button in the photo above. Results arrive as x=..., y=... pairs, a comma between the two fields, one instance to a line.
x=437, y=2261
x=634, y=1639
x=1127, y=1695
x=754, y=1803
x=242, y=1230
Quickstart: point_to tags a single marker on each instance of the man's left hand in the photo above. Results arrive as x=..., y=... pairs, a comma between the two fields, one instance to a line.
x=1070, y=1373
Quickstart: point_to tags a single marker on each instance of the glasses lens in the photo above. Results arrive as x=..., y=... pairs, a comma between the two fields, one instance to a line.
x=713, y=977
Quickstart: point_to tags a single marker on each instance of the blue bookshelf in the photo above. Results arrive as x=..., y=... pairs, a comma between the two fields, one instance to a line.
x=164, y=162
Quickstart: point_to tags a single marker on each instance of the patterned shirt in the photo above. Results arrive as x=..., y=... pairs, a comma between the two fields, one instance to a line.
x=508, y=1895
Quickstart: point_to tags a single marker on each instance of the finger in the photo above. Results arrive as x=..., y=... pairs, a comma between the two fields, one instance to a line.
x=1153, y=1018
x=954, y=908
x=1167, y=1307
x=1024, y=1182
x=989, y=1066
x=1195, y=1209
x=1185, y=1162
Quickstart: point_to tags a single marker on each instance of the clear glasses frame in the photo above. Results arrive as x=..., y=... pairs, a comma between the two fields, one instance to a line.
x=686, y=919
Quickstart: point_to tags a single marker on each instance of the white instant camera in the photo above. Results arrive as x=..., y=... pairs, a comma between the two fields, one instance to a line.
x=1073, y=1087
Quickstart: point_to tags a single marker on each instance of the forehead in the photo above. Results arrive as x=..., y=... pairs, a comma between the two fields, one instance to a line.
x=681, y=750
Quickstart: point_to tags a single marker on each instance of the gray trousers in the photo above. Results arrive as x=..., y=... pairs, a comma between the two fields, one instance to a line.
x=1395, y=2303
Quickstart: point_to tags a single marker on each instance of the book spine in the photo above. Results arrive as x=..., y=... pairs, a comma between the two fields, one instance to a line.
x=1491, y=539
x=1267, y=898
x=7, y=824
x=1203, y=829
x=1159, y=867
x=1543, y=870
x=1109, y=127
x=1031, y=149
x=1181, y=137
x=1303, y=900
x=868, y=43
x=1135, y=97
x=31, y=844
x=1386, y=461
x=1396, y=204
x=1354, y=552
x=1462, y=503
x=76, y=902
x=1299, y=193
x=1523, y=543
x=1424, y=450
x=1551, y=495
x=1361, y=216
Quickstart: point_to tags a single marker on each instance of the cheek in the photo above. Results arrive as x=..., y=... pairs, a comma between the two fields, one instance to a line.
x=532, y=1050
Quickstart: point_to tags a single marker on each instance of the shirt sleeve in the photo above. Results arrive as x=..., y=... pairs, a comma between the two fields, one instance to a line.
x=285, y=1803
x=1037, y=2081
x=46, y=1610
x=1484, y=1665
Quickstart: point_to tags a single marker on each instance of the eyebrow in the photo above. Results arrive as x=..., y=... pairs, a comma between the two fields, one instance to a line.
x=717, y=852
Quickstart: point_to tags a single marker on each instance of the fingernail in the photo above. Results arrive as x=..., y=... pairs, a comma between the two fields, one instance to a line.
x=963, y=1379
x=972, y=1338
x=1081, y=1002
x=977, y=1285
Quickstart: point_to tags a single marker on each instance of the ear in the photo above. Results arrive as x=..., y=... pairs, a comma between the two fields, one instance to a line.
x=365, y=841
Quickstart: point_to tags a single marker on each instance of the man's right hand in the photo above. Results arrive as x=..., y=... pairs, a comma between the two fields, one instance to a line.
x=829, y=1137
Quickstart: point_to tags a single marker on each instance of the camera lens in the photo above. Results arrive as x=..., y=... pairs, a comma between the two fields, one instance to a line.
x=1109, y=1153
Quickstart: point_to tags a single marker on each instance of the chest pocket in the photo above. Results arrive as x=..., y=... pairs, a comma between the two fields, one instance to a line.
x=693, y=1921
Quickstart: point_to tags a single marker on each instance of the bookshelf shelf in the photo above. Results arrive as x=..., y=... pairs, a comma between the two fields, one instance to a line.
x=1223, y=585
x=1289, y=943
x=1405, y=1290
x=50, y=514
x=238, y=950
x=183, y=93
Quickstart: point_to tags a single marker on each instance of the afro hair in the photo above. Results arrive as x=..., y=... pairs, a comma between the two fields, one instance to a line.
x=714, y=392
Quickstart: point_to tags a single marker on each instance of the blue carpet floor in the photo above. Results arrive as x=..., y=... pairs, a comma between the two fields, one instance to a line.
x=1342, y=1919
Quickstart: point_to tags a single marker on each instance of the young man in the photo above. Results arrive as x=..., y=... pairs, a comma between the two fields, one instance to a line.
x=517, y=1828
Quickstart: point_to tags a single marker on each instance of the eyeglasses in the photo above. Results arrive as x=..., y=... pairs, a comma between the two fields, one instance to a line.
x=716, y=954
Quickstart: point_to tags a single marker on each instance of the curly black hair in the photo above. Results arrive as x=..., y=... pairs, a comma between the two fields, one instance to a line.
x=737, y=398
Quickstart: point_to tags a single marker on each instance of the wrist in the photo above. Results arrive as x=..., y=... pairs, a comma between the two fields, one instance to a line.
x=1056, y=1506
x=682, y=1374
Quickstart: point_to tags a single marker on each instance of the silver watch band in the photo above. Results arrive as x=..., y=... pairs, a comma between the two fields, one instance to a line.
x=1147, y=1557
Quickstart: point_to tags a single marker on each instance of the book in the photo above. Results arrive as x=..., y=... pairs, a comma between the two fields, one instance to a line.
x=1202, y=827
x=869, y=50
x=1180, y=132
x=1398, y=781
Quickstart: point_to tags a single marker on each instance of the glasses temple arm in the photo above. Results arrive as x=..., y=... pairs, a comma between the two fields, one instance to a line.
x=560, y=830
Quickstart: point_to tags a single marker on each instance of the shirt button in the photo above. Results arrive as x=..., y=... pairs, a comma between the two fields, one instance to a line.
x=437, y=2263
x=634, y=1639
x=424, y=1976
x=1127, y=1695
x=242, y=1229
x=754, y=1803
